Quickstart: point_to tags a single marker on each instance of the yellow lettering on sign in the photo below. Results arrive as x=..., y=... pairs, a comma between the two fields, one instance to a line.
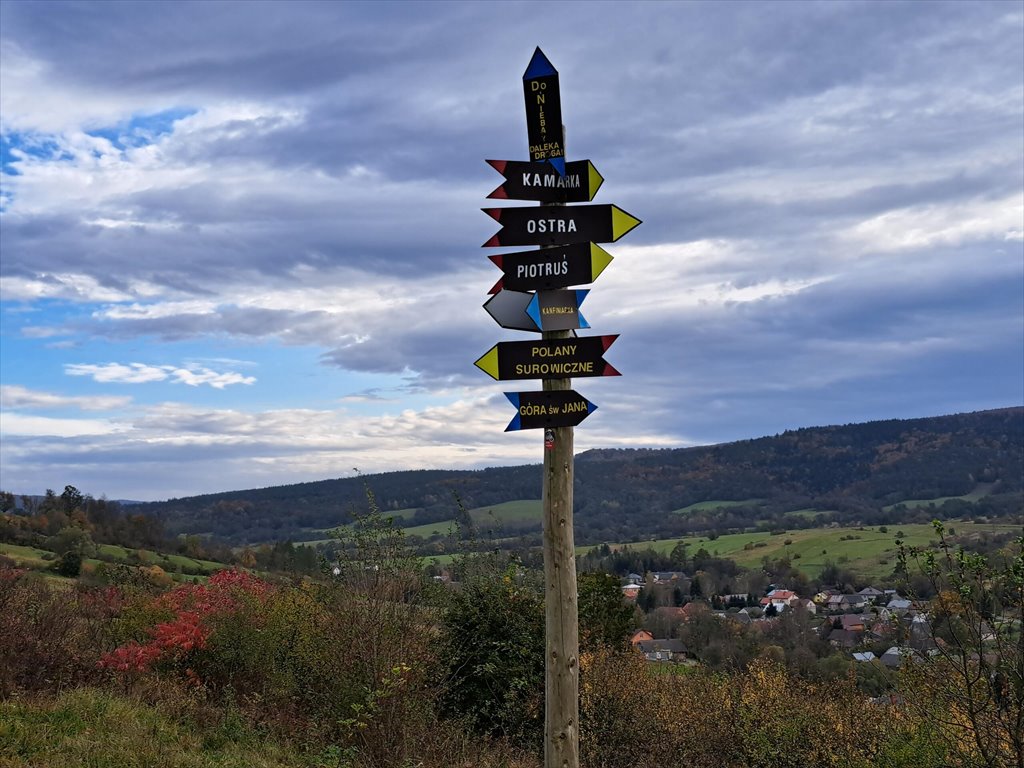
x=565, y=349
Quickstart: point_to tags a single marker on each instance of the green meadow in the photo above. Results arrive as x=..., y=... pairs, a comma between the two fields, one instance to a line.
x=982, y=490
x=119, y=554
x=26, y=557
x=866, y=551
x=706, y=506
x=34, y=558
x=521, y=513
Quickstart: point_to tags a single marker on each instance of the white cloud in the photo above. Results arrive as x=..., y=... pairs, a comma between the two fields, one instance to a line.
x=32, y=98
x=70, y=286
x=140, y=373
x=17, y=424
x=12, y=396
x=262, y=448
x=205, y=376
x=134, y=373
x=932, y=225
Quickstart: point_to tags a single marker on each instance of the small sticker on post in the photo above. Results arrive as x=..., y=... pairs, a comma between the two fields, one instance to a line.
x=549, y=439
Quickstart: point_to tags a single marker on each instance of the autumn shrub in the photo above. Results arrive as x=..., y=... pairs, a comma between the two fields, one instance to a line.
x=491, y=652
x=50, y=637
x=971, y=684
x=620, y=707
x=238, y=638
x=634, y=715
x=344, y=663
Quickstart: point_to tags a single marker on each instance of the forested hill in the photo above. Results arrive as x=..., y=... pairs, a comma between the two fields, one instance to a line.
x=971, y=463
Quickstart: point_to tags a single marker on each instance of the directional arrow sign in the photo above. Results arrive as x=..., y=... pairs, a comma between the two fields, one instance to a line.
x=554, y=359
x=548, y=268
x=547, y=225
x=508, y=308
x=558, y=310
x=561, y=408
x=544, y=111
x=543, y=311
x=541, y=182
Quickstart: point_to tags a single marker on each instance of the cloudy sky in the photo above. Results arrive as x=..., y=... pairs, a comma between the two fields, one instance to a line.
x=241, y=240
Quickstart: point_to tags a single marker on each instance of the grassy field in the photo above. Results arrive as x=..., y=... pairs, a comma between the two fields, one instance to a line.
x=398, y=515
x=704, y=506
x=26, y=557
x=861, y=550
x=167, y=562
x=431, y=529
x=36, y=559
x=519, y=514
x=981, y=491
x=509, y=512
x=808, y=513
x=86, y=727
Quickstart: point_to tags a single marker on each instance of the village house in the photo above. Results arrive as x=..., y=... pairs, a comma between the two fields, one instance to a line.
x=853, y=602
x=662, y=650
x=835, y=601
x=899, y=604
x=871, y=594
x=631, y=591
x=808, y=605
x=893, y=658
x=780, y=598
x=640, y=636
x=852, y=622
x=822, y=598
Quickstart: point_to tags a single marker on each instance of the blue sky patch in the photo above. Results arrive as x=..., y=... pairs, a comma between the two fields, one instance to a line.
x=33, y=145
x=140, y=130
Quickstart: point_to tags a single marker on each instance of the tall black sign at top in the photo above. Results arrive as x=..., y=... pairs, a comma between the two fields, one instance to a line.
x=544, y=111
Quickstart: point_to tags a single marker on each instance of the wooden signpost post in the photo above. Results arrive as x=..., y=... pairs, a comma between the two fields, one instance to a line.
x=571, y=258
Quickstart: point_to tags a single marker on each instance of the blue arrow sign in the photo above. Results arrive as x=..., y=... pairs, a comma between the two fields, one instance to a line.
x=559, y=408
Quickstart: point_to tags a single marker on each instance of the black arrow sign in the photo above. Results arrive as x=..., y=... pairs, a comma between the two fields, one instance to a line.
x=551, y=226
x=541, y=182
x=549, y=268
x=553, y=359
x=508, y=308
x=544, y=111
x=536, y=410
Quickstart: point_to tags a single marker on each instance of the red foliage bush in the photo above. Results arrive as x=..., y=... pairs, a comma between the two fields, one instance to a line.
x=194, y=606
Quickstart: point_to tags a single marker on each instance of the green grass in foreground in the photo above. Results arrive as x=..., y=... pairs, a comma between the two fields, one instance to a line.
x=88, y=727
